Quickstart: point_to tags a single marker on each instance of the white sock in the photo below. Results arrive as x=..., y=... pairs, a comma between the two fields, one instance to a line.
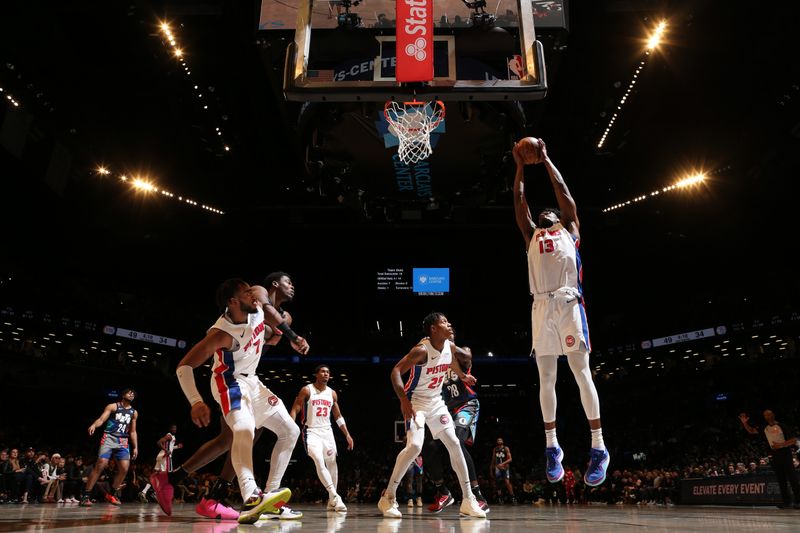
x=287, y=432
x=597, y=439
x=457, y=461
x=550, y=435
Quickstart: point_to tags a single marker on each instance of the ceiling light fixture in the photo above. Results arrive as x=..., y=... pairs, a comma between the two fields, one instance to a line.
x=179, y=53
x=652, y=42
x=683, y=183
x=146, y=186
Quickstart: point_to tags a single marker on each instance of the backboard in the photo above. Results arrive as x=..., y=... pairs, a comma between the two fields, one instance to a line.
x=344, y=50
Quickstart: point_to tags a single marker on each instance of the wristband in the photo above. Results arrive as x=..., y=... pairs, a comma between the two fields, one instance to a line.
x=185, y=375
x=340, y=421
x=287, y=331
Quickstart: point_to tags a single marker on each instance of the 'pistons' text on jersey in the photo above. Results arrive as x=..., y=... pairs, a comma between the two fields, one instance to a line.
x=425, y=380
x=317, y=409
x=554, y=261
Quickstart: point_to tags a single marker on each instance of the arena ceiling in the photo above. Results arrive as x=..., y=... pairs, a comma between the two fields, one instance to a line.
x=98, y=85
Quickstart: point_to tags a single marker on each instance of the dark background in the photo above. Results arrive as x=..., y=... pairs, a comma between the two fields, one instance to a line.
x=97, y=84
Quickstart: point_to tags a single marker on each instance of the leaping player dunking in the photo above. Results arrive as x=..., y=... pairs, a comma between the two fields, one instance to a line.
x=558, y=316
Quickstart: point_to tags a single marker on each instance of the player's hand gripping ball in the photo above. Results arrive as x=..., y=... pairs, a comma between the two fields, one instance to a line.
x=532, y=150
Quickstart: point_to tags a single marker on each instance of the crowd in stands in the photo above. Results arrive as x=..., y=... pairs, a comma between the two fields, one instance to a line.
x=661, y=427
x=35, y=476
x=32, y=476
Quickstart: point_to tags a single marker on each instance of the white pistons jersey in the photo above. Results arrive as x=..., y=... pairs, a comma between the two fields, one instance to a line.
x=553, y=261
x=169, y=446
x=317, y=410
x=244, y=355
x=425, y=380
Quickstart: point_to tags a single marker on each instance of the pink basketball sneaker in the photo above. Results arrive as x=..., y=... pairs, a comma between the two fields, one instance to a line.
x=216, y=510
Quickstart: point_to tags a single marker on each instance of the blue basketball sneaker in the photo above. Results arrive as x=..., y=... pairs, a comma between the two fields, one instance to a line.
x=554, y=456
x=596, y=471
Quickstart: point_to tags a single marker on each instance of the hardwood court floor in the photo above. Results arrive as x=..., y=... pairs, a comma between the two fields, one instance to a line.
x=69, y=518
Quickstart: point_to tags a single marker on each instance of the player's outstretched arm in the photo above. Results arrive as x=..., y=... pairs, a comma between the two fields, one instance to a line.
x=133, y=436
x=461, y=363
x=162, y=442
x=110, y=408
x=199, y=354
x=297, y=406
x=566, y=204
x=277, y=321
x=522, y=212
x=416, y=356
x=508, y=457
x=336, y=412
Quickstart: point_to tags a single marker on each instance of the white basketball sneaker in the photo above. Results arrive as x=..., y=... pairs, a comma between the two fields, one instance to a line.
x=470, y=507
x=389, y=508
x=336, y=504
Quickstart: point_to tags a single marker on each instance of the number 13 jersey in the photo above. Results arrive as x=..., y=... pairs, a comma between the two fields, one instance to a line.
x=554, y=261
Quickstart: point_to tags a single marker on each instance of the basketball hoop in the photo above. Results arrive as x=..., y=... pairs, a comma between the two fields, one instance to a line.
x=412, y=123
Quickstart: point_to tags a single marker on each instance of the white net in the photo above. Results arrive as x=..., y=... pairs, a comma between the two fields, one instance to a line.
x=412, y=123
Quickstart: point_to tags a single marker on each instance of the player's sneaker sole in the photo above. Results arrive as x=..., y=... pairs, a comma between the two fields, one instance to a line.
x=560, y=474
x=389, y=508
x=163, y=490
x=285, y=513
x=216, y=510
x=471, y=508
x=440, y=503
x=598, y=463
x=268, y=502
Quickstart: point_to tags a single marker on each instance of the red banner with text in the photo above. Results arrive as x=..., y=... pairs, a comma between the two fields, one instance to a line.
x=414, y=40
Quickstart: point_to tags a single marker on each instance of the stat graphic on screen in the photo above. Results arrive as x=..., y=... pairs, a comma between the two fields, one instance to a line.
x=418, y=281
x=431, y=280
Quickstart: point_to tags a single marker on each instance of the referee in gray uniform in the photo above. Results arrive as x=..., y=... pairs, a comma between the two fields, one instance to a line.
x=781, y=456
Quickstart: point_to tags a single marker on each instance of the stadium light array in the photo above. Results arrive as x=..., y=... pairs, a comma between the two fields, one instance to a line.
x=11, y=100
x=684, y=183
x=148, y=187
x=180, y=54
x=652, y=42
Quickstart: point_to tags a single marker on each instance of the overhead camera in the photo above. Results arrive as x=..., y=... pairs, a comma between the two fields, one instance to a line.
x=482, y=19
x=347, y=19
x=479, y=17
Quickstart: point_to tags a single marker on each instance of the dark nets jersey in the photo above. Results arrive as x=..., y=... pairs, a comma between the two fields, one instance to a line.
x=119, y=423
x=455, y=392
x=499, y=455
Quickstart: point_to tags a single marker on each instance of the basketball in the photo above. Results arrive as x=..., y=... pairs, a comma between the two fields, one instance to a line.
x=531, y=150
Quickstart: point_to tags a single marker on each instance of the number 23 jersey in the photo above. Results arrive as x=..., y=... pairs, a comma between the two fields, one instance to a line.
x=317, y=409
